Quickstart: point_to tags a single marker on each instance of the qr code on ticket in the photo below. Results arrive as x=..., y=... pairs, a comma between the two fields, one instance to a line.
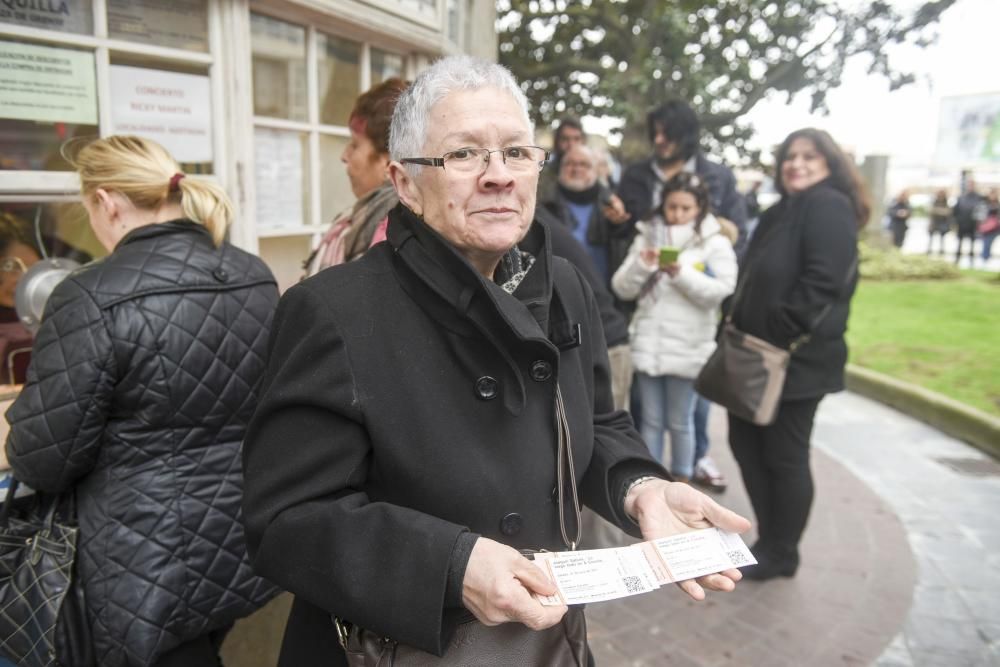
x=633, y=584
x=738, y=558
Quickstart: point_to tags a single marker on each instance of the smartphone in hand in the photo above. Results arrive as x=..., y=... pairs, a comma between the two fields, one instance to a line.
x=668, y=255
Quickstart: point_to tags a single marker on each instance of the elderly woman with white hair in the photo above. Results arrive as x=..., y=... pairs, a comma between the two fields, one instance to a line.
x=440, y=404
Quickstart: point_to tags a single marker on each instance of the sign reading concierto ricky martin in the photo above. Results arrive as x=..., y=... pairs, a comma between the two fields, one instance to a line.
x=171, y=108
x=46, y=84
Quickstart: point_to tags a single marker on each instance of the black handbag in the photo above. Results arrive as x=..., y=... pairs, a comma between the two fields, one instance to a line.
x=43, y=618
x=504, y=645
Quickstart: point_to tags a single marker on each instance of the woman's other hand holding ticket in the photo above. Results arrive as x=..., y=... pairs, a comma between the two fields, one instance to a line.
x=500, y=586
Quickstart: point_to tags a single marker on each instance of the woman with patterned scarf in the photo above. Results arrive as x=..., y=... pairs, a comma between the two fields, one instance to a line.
x=367, y=158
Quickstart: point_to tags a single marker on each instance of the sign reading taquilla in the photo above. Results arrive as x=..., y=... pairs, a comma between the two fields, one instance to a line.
x=62, y=15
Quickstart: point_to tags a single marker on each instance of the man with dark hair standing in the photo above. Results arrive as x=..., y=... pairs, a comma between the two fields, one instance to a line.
x=674, y=133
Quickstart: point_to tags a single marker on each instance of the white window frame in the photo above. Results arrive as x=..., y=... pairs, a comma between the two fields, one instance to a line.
x=52, y=186
x=315, y=224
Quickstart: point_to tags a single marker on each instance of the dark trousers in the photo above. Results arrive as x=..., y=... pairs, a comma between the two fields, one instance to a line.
x=898, y=228
x=774, y=463
x=965, y=234
x=200, y=652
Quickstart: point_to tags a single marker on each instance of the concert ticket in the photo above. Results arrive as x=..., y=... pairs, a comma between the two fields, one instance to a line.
x=607, y=574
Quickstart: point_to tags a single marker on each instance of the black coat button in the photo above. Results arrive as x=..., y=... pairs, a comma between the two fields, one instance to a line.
x=487, y=388
x=221, y=275
x=541, y=371
x=511, y=524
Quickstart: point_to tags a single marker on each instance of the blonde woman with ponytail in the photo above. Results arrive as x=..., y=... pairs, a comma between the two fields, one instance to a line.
x=144, y=375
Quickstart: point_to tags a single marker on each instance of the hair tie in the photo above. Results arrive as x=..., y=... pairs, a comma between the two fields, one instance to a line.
x=175, y=181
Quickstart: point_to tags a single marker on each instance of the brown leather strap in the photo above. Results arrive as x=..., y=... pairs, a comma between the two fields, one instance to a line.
x=564, y=451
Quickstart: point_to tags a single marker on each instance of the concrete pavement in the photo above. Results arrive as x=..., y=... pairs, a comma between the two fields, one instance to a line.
x=900, y=563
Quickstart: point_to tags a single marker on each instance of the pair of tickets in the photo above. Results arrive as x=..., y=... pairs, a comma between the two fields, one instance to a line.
x=597, y=575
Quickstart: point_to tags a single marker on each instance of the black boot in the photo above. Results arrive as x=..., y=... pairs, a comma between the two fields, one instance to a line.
x=772, y=561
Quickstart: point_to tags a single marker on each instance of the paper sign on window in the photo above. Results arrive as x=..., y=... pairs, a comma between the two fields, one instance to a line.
x=170, y=108
x=46, y=84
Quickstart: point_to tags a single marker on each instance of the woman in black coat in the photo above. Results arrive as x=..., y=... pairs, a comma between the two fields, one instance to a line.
x=143, y=378
x=799, y=275
x=405, y=446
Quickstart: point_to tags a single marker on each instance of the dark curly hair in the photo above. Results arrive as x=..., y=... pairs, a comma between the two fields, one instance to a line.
x=844, y=175
x=680, y=125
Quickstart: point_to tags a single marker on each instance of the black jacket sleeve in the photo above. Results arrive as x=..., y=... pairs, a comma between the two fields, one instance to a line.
x=636, y=191
x=828, y=250
x=58, y=419
x=311, y=527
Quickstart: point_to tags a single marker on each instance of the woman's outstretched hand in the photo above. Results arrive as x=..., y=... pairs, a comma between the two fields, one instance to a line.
x=663, y=509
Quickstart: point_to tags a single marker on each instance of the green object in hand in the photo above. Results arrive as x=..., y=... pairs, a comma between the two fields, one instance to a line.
x=668, y=255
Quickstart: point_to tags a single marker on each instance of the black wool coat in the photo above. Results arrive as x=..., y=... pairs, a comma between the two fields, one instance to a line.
x=801, y=261
x=409, y=401
x=142, y=381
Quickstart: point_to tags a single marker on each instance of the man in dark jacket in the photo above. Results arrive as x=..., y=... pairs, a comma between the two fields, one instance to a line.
x=577, y=202
x=970, y=210
x=612, y=321
x=674, y=134
x=406, y=443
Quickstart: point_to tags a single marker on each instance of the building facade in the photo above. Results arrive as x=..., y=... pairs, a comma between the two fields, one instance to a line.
x=254, y=94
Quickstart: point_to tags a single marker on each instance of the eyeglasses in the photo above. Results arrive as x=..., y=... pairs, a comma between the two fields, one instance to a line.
x=12, y=265
x=475, y=160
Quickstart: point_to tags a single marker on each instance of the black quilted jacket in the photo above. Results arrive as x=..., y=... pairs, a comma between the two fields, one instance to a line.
x=143, y=378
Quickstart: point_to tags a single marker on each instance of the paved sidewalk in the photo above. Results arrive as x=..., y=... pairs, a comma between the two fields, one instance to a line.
x=899, y=563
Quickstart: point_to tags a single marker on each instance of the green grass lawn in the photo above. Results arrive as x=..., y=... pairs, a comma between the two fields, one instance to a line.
x=940, y=334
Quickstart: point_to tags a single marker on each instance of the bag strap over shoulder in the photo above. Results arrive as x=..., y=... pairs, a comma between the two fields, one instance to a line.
x=745, y=278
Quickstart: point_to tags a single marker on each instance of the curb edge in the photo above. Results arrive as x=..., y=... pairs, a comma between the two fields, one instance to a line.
x=971, y=425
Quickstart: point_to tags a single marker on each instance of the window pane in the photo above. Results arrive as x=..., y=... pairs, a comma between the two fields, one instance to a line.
x=339, y=78
x=453, y=21
x=62, y=226
x=279, y=68
x=47, y=95
x=282, y=166
x=179, y=24
x=385, y=65
x=336, y=197
x=64, y=16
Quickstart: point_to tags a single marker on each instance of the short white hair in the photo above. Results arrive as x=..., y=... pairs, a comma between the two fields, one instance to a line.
x=408, y=131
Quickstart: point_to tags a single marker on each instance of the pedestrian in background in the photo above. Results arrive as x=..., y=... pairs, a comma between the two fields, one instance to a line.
x=940, y=221
x=143, y=379
x=366, y=158
x=899, y=217
x=989, y=228
x=969, y=211
x=679, y=269
x=798, y=277
x=674, y=134
x=577, y=203
x=568, y=134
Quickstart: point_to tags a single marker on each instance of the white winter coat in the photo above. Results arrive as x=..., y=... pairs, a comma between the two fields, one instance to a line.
x=673, y=329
